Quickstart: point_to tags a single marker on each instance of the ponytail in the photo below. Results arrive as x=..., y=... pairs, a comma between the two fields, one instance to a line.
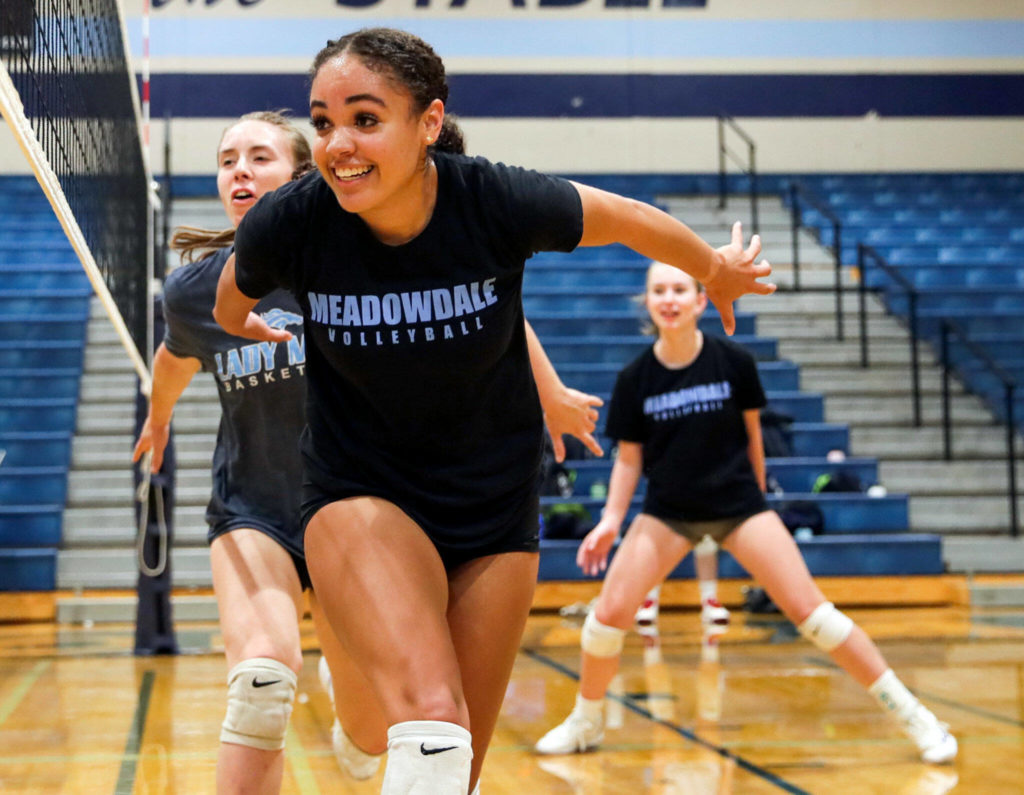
x=194, y=243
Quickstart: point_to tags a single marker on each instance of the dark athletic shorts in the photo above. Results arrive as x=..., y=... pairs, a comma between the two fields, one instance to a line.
x=238, y=523
x=718, y=529
x=520, y=535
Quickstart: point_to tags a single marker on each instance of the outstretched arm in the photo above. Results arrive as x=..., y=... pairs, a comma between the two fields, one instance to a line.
x=727, y=272
x=592, y=555
x=755, y=445
x=233, y=310
x=565, y=410
x=171, y=374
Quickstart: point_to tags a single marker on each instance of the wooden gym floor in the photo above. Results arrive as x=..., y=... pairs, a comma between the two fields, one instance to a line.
x=80, y=714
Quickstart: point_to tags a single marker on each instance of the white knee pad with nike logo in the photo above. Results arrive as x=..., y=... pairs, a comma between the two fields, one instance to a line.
x=260, y=695
x=826, y=627
x=427, y=757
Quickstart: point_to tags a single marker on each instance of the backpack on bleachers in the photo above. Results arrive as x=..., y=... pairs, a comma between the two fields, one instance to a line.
x=797, y=514
x=840, y=480
x=776, y=433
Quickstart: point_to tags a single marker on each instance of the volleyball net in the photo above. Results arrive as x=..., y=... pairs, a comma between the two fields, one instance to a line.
x=68, y=93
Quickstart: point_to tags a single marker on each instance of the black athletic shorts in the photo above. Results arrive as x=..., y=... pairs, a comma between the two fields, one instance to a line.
x=521, y=534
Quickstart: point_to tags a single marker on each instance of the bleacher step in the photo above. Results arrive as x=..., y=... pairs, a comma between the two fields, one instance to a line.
x=898, y=410
x=927, y=443
x=997, y=595
x=122, y=609
x=963, y=514
x=117, y=568
x=972, y=554
x=923, y=477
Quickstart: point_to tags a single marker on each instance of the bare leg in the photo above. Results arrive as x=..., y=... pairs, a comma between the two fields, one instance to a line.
x=490, y=602
x=384, y=590
x=355, y=703
x=647, y=555
x=765, y=548
x=259, y=600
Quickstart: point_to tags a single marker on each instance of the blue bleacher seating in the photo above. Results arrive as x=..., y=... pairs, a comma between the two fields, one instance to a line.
x=44, y=309
x=852, y=554
x=959, y=238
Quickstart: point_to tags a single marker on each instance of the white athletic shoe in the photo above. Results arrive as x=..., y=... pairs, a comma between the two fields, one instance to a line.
x=931, y=736
x=647, y=613
x=574, y=735
x=712, y=612
x=352, y=759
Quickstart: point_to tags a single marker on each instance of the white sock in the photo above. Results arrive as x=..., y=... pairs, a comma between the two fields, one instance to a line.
x=892, y=695
x=708, y=590
x=654, y=594
x=427, y=757
x=591, y=709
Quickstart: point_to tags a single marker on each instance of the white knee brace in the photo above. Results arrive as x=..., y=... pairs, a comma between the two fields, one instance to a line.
x=826, y=627
x=427, y=757
x=260, y=695
x=600, y=640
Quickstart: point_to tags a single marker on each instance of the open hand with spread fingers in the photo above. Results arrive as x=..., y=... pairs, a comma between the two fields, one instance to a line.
x=736, y=274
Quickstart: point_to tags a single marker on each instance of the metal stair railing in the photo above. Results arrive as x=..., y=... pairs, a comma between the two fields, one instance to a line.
x=749, y=168
x=797, y=194
x=947, y=326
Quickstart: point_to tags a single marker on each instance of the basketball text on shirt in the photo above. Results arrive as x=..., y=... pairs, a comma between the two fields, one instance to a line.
x=256, y=363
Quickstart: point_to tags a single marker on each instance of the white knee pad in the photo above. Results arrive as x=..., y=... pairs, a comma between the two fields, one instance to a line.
x=826, y=627
x=600, y=640
x=427, y=757
x=260, y=695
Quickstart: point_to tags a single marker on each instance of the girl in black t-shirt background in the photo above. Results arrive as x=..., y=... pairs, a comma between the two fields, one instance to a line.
x=424, y=430
x=686, y=413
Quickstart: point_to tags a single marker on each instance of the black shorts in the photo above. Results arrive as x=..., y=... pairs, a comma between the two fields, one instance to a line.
x=717, y=529
x=521, y=534
x=288, y=544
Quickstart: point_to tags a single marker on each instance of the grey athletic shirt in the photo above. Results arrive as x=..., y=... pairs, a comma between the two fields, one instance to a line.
x=257, y=468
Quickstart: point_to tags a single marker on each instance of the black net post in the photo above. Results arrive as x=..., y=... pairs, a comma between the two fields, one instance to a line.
x=154, y=520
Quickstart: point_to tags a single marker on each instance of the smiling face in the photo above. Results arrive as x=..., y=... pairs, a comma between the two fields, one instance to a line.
x=673, y=299
x=254, y=157
x=370, y=143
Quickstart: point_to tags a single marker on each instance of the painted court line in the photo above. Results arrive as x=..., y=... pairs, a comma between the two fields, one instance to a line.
x=750, y=767
x=29, y=679
x=130, y=758
x=298, y=759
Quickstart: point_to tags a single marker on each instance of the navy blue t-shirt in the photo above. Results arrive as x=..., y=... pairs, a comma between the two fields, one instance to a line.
x=420, y=384
x=257, y=468
x=690, y=422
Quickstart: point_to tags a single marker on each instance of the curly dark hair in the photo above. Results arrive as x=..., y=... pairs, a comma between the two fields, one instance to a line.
x=408, y=62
